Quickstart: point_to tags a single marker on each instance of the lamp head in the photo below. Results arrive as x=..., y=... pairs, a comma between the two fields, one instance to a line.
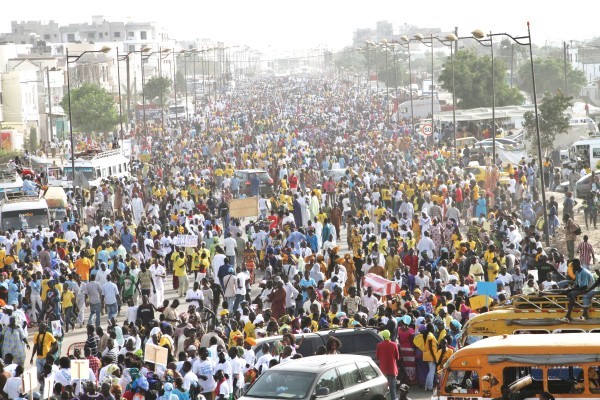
x=145, y=49
x=384, y=42
x=404, y=38
x=165, y=51
x=451, y=37
x=478, y=34
x=418, y=36
x=104, y=49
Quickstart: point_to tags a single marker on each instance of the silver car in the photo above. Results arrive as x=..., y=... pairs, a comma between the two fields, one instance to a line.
x=330, y=377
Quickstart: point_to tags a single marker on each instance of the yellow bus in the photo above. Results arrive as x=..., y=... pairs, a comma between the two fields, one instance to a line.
x=529, y=314
x=523, y=366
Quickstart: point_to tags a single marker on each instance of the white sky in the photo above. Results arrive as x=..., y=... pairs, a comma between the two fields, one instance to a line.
x=308, y=24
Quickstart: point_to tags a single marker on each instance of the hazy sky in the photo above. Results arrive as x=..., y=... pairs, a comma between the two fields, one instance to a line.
x=312, y=23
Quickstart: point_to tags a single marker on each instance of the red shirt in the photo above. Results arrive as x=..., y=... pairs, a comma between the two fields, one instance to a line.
x=274, y=221
x=387, y=354
x=293, y=180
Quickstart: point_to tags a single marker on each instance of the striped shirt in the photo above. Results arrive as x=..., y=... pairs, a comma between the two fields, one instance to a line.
x=586, y=252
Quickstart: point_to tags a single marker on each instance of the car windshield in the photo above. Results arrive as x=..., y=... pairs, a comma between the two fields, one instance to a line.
x=281, y=384
x=263, y=176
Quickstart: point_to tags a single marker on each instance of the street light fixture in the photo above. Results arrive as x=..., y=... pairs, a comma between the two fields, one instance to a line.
x=525, y=40
x=71, y=59
x=122, y=57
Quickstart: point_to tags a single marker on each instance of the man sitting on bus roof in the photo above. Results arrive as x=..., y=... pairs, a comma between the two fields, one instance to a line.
x=584, y=284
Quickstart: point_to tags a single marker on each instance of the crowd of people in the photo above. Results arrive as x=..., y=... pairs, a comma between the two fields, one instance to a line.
x=401, y=208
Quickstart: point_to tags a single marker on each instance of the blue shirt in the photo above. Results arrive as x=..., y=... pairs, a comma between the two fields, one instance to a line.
x=13, y=292
x=583, y=278
x=110, y=292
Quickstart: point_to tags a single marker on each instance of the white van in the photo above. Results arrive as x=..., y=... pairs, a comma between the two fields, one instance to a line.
x=18, y=211
x=58, y=205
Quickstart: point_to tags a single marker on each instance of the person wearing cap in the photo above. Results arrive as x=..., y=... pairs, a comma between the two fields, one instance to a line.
x=388, y=356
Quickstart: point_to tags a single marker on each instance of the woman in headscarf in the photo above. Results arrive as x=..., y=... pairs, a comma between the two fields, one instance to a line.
x=407, y=350
x=14, y=337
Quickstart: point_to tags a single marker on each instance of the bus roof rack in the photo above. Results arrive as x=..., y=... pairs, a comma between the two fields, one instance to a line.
x=7, y=176
x=11, y=197
x=96, y=154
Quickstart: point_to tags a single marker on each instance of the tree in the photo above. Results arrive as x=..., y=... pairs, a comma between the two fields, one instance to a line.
x=158, y=87
x=180, y=82
x=473, y=82
x=550, y=77
x=93, y=109
x=552, y=118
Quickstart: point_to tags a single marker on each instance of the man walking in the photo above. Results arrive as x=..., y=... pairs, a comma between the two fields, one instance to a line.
x=387, y=355
x=586, y=253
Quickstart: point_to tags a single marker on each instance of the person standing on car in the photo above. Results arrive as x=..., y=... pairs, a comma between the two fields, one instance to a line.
x=387, y=355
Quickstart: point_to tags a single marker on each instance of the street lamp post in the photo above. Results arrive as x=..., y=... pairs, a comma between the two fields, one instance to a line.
x=480, y=37
x=421, y=39
x=449, y=41
x=526, y=41
x=405, y=39
x=142, y=51
x=71, y=59
x=120, y=58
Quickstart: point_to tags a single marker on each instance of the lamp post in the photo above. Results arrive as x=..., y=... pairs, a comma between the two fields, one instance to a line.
x=145, y=58
x=421, y=39
x=526, y=41
x=71, y=59
x=123, y=57
x=406, y=40
x=449, y=41
x=480, y=36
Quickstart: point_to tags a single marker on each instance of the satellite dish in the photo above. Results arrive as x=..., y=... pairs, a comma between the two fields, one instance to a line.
x=81, y=181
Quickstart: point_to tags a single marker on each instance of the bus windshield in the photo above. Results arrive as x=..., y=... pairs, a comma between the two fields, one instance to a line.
x=25, y=219
x=88, y=172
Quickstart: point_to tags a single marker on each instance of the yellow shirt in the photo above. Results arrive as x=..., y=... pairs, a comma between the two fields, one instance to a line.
x=250, y=330
x=44, y=342
x=67, y=299
x=492, y=270
x=179, y=266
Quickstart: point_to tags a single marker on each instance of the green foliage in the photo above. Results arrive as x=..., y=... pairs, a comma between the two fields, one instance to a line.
x=180, y=82
x=552, y=120
x=473, y=81
x=93, y=109
x=351, y=59
x=158, y=87
x=32, y=140
x=549, y=77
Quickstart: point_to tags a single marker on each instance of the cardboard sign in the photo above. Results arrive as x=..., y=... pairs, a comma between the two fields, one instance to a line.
x=56, y=328
x=186, y=241
x=29, y=379
x=479, y=301
x=156, y=354
x=48, y=387
x=80, y=369
x=489, y=288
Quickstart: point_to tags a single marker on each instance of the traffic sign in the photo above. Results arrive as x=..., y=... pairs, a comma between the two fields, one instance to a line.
x=427, y=129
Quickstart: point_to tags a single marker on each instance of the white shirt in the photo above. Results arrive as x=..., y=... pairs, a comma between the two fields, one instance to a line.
x=196, y=296
x=207, y=368
x=242, y=277
x=229, y=245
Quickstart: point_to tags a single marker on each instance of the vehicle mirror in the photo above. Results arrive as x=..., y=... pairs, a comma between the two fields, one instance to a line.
x=322, y=392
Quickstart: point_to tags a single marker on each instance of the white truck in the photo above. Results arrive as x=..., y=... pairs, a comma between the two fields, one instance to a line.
x=21, y=212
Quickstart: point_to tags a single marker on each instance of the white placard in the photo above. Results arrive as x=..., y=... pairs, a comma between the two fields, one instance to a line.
x=80, y=369
x=48, y=387
x=29, y=379
x=186, y=241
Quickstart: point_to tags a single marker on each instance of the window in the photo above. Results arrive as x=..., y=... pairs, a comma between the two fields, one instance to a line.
x=91, y=35
x=117, y=34
x=351, y=344
x=594, y=381
x=350, y=375
x=564, y=380
x=513, y=375
x=330, y=381
x=462, y=382
x=367, y=370
x=100, y=35
x=46, y=37
x=130, y=35
x=70, y=37
x=143, y=35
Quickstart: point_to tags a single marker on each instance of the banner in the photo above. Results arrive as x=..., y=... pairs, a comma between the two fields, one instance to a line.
x=156, y=354
x=186, y=241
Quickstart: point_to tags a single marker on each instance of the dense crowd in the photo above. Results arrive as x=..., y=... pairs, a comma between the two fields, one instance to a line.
x=401, y=208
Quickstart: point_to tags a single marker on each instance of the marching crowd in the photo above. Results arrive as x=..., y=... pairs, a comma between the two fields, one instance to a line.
x=352, y=192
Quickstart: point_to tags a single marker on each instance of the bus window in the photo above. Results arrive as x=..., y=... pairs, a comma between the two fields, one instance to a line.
x=527, y=381
x=462, y=382
x=568, y=331
x=530, y=331
x=564, y=380
x=104, y=173
x=593, y=379
x=98, y=174
x=119, y=168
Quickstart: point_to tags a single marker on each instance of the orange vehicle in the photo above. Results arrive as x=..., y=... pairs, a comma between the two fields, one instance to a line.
x=523, y=367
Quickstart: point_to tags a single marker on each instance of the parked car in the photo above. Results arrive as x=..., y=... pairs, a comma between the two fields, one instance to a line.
x=583, y=187
x=266, y=182
x=361, y=341
x=323, y=377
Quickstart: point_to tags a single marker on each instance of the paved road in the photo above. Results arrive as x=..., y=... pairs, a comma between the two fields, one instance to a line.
x=79, y=334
